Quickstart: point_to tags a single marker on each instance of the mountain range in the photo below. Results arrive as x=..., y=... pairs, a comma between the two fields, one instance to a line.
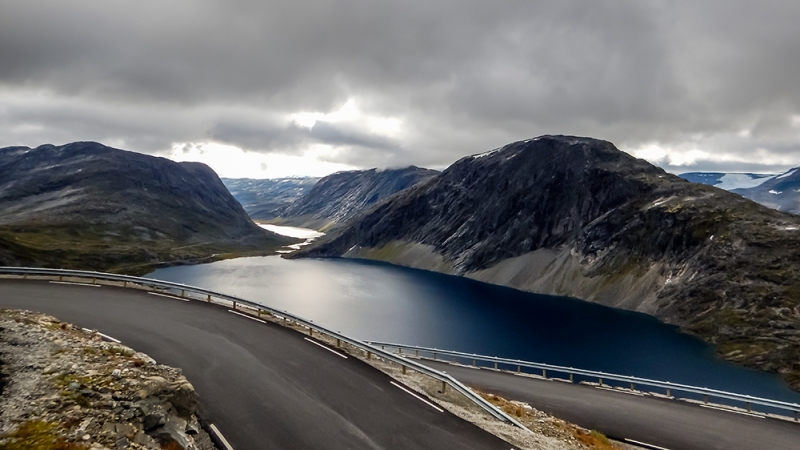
x=87, y=206
x=577, y=217
x=781, y=192
x=266, y=199
x=337, y=198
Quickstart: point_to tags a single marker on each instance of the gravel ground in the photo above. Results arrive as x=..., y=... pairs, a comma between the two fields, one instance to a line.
x=69, y=388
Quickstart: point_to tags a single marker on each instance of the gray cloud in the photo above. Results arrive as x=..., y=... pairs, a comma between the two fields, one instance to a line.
x=462, y=76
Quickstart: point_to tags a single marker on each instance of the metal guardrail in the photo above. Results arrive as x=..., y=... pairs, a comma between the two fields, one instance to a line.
x=707, y=393
x=214, y=297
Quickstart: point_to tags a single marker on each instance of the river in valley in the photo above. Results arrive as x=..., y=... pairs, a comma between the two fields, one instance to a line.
x=377, y=301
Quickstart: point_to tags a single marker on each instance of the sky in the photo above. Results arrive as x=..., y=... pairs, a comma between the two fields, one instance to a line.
x=274, y=88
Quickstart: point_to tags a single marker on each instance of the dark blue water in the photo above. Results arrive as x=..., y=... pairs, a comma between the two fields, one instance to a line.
x=382, y=302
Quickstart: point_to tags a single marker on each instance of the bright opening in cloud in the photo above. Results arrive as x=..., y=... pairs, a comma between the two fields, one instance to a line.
x=657, y=154
x=351, y=114
x=233, y=162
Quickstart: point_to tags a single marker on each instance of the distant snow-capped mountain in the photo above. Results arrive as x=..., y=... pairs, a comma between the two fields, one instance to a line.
x=781, y=192
x=728, y=181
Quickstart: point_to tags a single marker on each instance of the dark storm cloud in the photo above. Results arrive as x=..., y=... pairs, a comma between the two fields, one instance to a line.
x=462, y=76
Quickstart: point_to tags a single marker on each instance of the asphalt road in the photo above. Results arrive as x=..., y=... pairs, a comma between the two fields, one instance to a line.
x=665, y=423
x=262, y=385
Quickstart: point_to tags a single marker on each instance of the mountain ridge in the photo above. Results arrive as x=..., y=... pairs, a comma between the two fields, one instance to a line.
x=265, y=199
x=88, y=206
x=339, y=197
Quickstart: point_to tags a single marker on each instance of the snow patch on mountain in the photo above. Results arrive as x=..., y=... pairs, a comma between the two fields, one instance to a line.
x=731, y=181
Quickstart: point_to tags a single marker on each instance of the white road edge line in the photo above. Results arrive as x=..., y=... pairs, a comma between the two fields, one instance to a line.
x=326, y=348
x=221, y=437
x=245, y=315
x=109, y=337
x=169, y=296
x=733, y=411
x=620, y=391
x=75, y=284
x=418, y=397
x=645, y=444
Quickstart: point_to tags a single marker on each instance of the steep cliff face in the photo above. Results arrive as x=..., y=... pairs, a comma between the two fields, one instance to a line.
x=577, y=217
x=85, y=205
x=266, y=199
x=337, y=198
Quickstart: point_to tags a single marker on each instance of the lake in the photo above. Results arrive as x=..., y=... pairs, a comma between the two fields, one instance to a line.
x=378, y=301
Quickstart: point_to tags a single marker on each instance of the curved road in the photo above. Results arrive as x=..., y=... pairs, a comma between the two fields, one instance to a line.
x=664, y=423
x=262, y=385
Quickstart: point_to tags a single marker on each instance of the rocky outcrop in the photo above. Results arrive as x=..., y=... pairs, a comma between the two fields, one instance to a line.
x=577, y=217
x=340, y=197
x=87, y=206
x=68, y=387
x=266, y=199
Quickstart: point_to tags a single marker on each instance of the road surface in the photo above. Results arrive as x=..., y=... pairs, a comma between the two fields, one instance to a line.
x=665, y=423
x=263, y=386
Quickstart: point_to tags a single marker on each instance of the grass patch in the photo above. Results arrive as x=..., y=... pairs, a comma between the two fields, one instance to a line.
x=37, y=435
x=593, y=439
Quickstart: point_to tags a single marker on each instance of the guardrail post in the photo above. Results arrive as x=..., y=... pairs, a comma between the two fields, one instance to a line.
x=519, y=369
x=749, y=407
x=444, y=387
x=668, y=395
x=61, y=278
x=234, y=305
x=705, y=399
x=183, y=292
x=544, y=373
x=259, y=312
x=495, y=365
x=124, y=284
x=94, y=280
x=601, y=381
x=338, y=343
x=474, y=363
x=24, y=276
x=795, y=416
x=434, y=356
x=310, y=331
x=208, y=299
x=404, y=370
x=571, y=380
x=632, y=388
x=369, y=354
x=399, y=350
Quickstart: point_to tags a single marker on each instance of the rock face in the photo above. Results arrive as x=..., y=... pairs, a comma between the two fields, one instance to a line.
x=68, y=387
x=85, y=205
x=337, y=198
x=266, y=199
x=577, y=217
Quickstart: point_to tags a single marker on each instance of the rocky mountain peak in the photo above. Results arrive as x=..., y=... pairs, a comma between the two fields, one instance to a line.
x=575, y=216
